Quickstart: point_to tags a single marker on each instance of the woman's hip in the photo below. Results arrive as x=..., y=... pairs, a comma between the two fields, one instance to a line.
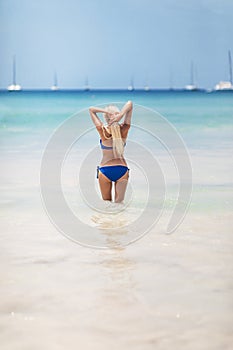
x=113, y=172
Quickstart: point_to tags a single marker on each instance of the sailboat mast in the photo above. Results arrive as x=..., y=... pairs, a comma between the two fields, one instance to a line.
x=14, y=70
x=192, y=74
x=55, y=78
x=132, y=82
x=86, y=87
x=230, y=66
x=171, y=78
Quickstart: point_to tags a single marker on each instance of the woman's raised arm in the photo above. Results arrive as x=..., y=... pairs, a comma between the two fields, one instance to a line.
x=126, y=111
x=96, y=120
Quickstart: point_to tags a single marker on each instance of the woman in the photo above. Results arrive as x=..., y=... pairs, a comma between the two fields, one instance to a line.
x=113, y=167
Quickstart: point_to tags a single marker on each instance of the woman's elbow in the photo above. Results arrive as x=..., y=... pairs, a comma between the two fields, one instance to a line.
x=130, y=103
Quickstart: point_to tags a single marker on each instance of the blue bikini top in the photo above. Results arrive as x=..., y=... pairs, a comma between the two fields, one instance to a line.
x=106, y=147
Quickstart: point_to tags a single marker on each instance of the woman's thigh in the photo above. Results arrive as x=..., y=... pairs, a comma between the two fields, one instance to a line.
x=120, y=187
x=105, y=186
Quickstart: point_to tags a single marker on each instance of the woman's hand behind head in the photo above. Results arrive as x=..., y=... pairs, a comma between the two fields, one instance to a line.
x=115, y=117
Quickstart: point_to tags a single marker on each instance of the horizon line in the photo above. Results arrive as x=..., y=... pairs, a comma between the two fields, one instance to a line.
x=104, y=89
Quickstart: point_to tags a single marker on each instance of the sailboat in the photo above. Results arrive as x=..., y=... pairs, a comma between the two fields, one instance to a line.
x=147, y=87
x=171, y=88
x=226, y=85
x=54, y=87
x=131, y=86
x=191, y=86
x=86, y=87
x=14, y=86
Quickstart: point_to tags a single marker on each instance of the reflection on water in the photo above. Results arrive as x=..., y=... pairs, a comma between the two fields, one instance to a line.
x=112, y=224
x=113, y=237
x=119, y=268
x=107, y=220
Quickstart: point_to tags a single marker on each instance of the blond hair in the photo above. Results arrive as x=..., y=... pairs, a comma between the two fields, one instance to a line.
x=117, y=142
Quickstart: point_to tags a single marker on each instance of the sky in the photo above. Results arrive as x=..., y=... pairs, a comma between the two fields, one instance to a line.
x=110, y=41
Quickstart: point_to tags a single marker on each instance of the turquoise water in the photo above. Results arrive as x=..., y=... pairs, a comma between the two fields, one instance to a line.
x=200, y=116
x=203, y=120
x=196, y=108
x=162, y=290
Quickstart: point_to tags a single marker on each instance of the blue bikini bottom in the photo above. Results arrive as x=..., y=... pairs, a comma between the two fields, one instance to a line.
x=113, y=172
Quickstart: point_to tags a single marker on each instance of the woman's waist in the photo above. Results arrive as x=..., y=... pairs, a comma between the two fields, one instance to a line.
x=115, y=161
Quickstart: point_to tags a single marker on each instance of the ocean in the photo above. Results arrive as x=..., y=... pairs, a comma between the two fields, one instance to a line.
x=88, y=276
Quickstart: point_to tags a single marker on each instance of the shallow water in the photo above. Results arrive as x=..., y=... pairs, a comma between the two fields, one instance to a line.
x=162, y=291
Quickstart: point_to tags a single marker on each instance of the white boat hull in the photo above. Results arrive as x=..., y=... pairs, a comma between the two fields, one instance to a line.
x=223, y=86
x=13, y=87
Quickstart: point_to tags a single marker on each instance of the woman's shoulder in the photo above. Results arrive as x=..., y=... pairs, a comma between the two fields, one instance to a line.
x=99, y=127
x=124, y=130
x=125, y=126
x=103, y=131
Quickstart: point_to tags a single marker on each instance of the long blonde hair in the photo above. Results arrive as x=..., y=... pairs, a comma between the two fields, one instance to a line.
x=117, y=142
